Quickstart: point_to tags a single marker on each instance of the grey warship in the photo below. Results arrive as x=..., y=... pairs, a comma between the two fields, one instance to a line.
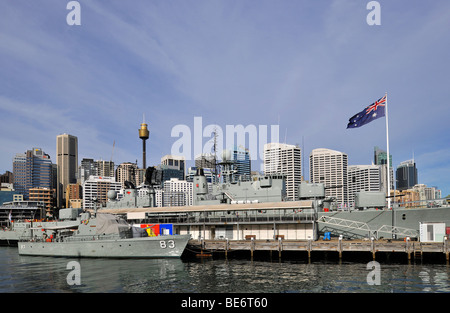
x=102, y=235
x=232, y=209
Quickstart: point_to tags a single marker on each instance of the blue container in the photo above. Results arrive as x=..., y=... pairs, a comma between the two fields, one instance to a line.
x=166, y=229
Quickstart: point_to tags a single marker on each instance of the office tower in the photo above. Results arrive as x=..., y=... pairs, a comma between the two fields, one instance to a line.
x=330, y=168
x=406, y=175
x=363, y=177
x=19, y=172
x=32, y=169
x=67, y=162
x=175, y=162
x=284, y=159
x=242, y=163
x=380, y=158
x=86, y=169
x=97, y=187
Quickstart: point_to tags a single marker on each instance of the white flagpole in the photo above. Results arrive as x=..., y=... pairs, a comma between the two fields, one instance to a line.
x=388, y=158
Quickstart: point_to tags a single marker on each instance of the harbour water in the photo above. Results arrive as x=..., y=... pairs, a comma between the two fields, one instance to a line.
x=50, y=275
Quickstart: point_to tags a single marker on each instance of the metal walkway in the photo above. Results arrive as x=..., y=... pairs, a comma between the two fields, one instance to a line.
x=355, y=225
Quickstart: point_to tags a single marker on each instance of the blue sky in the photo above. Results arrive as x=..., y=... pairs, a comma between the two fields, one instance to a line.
x=307, y=66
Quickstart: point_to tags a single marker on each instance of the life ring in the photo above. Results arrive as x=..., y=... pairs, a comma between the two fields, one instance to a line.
x=85, y=222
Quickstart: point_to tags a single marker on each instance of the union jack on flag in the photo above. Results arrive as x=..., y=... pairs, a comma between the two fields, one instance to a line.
x=370, y=113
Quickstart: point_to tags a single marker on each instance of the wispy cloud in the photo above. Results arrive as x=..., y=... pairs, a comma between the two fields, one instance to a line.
x=306, y=64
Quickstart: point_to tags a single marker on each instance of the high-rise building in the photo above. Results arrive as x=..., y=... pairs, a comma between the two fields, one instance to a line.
x=363, y=177
x=380, y=158
x=33, y=169
x=20, y=172
x=126, y=172
x=87, y=168
x=286, y=160
x=175, y=162
x=242, y=163
x=178, y=192
x=67, y=162
x=205, y=161
x=406, y=175
x=330, y=168
x=104, y=168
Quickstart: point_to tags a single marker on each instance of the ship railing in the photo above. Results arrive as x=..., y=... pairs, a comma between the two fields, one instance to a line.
x=69, y=238
x=432, y=203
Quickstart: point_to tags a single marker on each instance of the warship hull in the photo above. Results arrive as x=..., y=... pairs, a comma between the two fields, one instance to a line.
x=171, y=246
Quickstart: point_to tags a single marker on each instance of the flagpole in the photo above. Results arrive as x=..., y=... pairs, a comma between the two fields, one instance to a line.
x=388, y=158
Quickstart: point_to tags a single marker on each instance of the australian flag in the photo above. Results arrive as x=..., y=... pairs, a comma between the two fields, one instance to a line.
x=372, y=112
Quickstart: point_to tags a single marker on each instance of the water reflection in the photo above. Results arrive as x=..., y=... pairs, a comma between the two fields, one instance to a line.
x=47, y=274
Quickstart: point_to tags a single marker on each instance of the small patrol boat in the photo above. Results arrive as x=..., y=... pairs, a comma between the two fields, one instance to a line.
x=103, y=236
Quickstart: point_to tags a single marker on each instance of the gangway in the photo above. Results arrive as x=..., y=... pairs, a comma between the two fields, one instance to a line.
x=362, y=226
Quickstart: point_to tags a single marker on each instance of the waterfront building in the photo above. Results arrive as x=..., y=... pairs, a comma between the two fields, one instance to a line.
x=97, y=187
x=406, y=175
x=363, y=177
x=330, y=168
x=286, y=160
x=67, y=164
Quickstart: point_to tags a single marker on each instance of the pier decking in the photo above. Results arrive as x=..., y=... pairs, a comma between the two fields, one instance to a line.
x=412, y=249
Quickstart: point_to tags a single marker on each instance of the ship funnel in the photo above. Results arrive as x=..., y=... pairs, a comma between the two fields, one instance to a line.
x=200, y=183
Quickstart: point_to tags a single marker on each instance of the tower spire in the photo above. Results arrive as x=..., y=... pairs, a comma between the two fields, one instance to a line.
x=143, y=134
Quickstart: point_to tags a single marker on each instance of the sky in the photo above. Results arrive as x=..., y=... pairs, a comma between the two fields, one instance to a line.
x=305, y=66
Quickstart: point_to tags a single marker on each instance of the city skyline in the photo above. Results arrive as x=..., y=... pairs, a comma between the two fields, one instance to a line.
x=305, y=66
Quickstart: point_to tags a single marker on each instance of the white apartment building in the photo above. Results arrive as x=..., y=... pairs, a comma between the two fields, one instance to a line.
x=330, y=168
x=284, y=159
x=363, y=177
x=178, y=193
x=98, y=187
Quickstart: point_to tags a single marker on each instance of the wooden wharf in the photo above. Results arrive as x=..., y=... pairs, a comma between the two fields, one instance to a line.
x=412, y=249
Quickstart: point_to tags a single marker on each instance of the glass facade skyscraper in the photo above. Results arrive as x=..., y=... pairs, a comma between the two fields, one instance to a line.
x=32, y=169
